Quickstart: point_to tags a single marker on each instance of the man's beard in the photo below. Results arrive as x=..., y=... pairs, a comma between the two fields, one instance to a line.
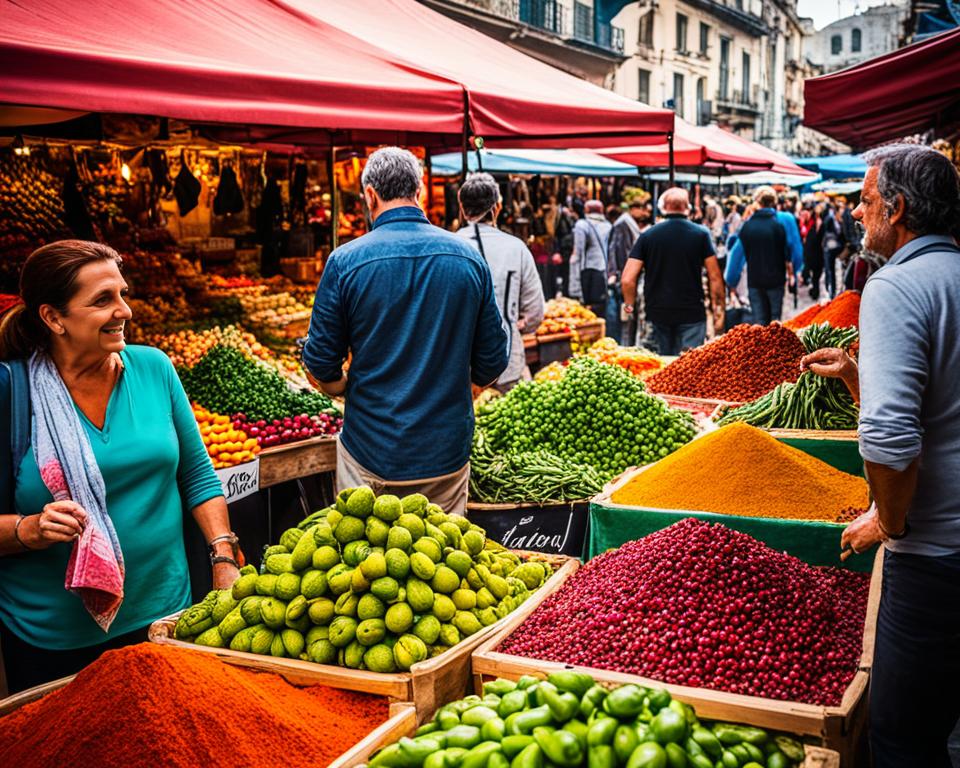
x=882, y=241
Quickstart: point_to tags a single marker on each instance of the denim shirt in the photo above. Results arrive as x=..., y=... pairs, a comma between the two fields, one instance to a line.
x=909, y=362
x=415, y=306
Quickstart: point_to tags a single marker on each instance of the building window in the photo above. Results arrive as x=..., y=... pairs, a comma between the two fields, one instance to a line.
x=836, y=45
x=645, y=36
x=724, y=67
x=643, y=86
x=746, y=78
x=678, y=94
x=703, y=112
x=704, y=38
x=855, y=41
x=681, y=33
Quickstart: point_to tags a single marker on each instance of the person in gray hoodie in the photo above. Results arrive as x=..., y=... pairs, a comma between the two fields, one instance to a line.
x=516, y=283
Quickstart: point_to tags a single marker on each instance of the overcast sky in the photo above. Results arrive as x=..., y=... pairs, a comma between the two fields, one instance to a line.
x=825, y=12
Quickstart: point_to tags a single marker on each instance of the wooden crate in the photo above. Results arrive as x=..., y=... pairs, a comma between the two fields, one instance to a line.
x=300, y=459
x=428, y=684
x=840, y=728
x=555, y=527
x=402, y=722
x=591, y=331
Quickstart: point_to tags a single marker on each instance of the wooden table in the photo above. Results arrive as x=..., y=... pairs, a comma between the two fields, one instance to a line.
x=299, y=459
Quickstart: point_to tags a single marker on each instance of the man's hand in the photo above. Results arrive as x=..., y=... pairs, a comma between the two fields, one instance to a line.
x=861, y=534
x=834, y=363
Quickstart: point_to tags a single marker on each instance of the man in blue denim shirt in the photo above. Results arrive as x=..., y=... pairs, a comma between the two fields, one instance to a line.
x=910, y=441
x=415, y=306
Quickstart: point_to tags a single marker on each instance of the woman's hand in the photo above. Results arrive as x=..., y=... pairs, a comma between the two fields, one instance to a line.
x=861, y=534
x=60, y=521
x=224, y=574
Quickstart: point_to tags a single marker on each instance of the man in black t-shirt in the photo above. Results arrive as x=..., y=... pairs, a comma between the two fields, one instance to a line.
x=674, y=253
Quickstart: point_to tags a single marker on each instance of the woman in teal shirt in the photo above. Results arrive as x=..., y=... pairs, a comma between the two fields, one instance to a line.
x=147, y=447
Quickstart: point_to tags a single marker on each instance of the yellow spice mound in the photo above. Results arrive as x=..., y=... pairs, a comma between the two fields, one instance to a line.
x=741, y=470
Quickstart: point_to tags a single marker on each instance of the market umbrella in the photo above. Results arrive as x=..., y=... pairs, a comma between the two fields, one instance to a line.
x=908, y=91
x=548, y=162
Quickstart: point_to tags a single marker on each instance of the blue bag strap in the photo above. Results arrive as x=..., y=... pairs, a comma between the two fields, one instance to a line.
x=19, y=413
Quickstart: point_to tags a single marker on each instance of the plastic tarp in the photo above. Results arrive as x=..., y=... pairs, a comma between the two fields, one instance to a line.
x=547, y=162
x=834, y=166
x=220, y=61
x=899, y=94
x=515, y=100
x=710, y=149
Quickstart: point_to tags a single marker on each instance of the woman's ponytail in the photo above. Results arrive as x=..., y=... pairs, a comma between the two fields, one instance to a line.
x=17, y=339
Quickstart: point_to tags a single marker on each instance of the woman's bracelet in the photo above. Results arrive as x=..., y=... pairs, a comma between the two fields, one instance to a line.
x=16, y=534
x=230, y=538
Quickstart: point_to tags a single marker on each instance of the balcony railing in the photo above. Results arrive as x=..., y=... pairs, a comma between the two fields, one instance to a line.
x=737, y=100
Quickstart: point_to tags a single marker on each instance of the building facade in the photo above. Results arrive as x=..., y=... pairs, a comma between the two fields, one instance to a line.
x=849, y=41
x=566, y=34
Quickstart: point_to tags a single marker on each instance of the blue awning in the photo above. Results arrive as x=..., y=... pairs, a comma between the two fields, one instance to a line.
x=834, y=166
x=546, y=162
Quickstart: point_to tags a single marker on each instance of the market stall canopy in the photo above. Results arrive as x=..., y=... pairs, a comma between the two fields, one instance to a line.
x=546, y=162
x=745, y=180
x=834, y=166
x=908, y=91
x=709, y=149
x=515, y=100
x=220, y=61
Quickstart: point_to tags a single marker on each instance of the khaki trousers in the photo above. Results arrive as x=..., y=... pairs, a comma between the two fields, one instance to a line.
x=447, y=491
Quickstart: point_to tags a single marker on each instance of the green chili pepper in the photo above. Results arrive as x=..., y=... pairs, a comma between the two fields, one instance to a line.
x=499, y=687
x=753, y=752
x=591, y=700
x=579, y=729
x=561, y=748
x=601, y=731
x=526, y=721
x=731, y=735
x=574, y=682
x=427, y=728
x=479, y=755
x=625, y=701
x=539, y=693
x=601, y=756
x=514, y=745
x=563, y=706
x=515, y=701
x=708, y=743
x=740, y=753
x=413, y=752
x=530, y=757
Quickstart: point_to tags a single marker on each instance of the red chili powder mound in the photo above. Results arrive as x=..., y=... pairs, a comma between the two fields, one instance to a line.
x=742, y=364
x=842, y=312
x=149, y=705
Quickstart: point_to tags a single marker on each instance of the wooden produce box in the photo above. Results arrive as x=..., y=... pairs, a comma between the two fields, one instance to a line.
x=815, y=542
x=402, y=722
x=299, y=459
x=591, y=331
x=816, y=757
x=557, y=528
x=554, y=347
x=429, y=684
x=697, y=405
x=841, y=728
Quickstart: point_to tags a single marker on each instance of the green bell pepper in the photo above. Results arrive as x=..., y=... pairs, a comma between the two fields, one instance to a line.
x=563, y=706
x=579, y=729
x=658, y=699
x=668, y=727
x=601, y=731
x=592, y=700
x=676, y=757
x=624, y=702
x=624, y=742
x=515, y=701
x=601, y=756
x=561, y=748
x=530, y=757
x=648, y=755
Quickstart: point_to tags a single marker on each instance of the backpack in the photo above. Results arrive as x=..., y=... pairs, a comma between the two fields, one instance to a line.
x=19, y=419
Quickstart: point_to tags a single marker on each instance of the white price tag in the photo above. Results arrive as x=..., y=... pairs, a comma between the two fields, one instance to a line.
x=240, y=481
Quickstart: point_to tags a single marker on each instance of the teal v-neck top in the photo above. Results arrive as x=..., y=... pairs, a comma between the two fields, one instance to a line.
x=154, y=466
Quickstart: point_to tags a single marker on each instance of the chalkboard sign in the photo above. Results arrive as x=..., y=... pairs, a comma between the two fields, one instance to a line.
x=557, y=529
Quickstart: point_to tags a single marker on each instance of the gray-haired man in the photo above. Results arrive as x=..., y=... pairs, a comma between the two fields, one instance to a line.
x=415, y=307
x=910, y=441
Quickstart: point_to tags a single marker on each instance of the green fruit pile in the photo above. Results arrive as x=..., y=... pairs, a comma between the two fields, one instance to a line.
x=369, y=583
x=568, y=720
x=597, y=414
x=225, y=381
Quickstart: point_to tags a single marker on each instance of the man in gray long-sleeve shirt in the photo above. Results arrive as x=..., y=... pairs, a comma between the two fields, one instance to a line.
x=910, y=441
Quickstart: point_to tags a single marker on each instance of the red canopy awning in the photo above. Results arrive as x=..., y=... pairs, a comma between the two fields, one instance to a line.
x=898, y=94
x=515, y=100
x=709, y=149
x=218, y=61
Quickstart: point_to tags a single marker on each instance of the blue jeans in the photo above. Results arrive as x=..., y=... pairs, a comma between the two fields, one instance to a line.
x=766, y=304
x=673, y=339
x=914, y=683
x=614, y=300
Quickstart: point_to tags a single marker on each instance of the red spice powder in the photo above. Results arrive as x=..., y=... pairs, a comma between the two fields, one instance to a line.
x=742, y=364
x=150, y=705
x=842, y=312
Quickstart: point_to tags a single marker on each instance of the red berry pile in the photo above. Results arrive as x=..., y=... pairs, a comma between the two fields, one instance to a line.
x=701, y=605
x=289, y=429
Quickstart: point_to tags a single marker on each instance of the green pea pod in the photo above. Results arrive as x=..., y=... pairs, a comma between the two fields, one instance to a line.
x=601, y=756
x=526, y=681
x=676, y=757
x=526, y=721
x=624, y=702
x=577, y=683
x=514, y=745
x=708, y=743
x=563, y=706
x=478, y=715
x=579, y=729
x=561, y=748
x=466, y=736
x=493, y=730
x=731, y=735
x=499, y=687
x=530, y=757
x=515, y=701
x=791, y=748
x=624, y=742
x=601, y=731
x=592, y=700
x=648, y=755
x=479, y=756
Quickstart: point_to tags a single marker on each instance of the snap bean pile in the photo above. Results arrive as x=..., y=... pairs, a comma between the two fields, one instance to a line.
x=813, y=402
x=521, y=476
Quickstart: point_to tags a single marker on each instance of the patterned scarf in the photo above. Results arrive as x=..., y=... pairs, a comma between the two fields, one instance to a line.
x=69, y=470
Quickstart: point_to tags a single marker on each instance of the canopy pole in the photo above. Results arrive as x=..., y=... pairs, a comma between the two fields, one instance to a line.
x=428, y=161
x=334, y=208
x=465, y=145
x=670, y=150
